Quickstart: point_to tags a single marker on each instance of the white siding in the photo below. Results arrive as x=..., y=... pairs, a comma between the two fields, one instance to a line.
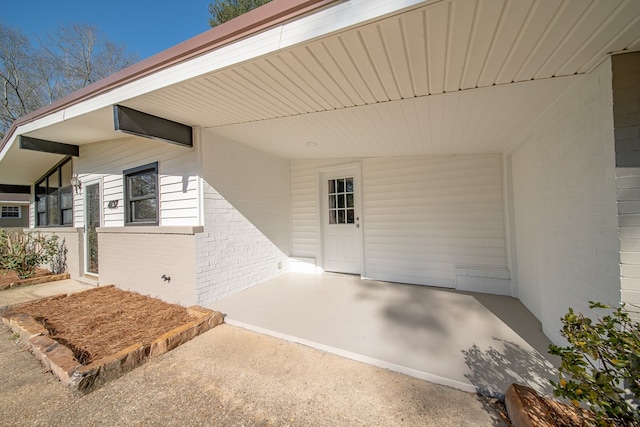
x=422, y=216
x=246, y=237
x=177, y=174
x=565, y=205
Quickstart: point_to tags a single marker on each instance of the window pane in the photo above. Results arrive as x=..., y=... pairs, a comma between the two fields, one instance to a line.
x=67, y=216
x=52, y=182
x=350, y=216
x=341, y=219
x=66, y=198
x=349, y=200
x=52, y=200
x=332, y=202
x=66, y=173
x=42, y=219
x=332, y=186
x=340, y=185
x=10, y=212
x=144, y=210
x=340, y=200
x=142, y=185
x=349, y=185
x=332, y=217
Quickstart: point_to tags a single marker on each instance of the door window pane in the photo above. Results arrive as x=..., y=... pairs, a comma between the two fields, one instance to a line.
x=332, y=217
x=350, y=216
x=349, y=185
x=349, y=200
x=93, y=222
x=341, y=201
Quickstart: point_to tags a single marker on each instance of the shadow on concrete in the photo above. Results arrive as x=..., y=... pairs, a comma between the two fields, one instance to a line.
x=492, y=368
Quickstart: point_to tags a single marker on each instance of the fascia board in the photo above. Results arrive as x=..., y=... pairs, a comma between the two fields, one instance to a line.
x=326, y=21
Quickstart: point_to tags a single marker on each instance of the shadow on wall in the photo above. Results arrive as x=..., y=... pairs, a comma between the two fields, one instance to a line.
x=492, y=369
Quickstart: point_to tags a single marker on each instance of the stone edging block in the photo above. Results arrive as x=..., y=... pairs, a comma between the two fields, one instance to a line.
x=521, y=409
x=82, y=379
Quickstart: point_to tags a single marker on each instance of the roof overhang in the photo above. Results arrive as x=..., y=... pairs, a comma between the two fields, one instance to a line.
x=358, y=78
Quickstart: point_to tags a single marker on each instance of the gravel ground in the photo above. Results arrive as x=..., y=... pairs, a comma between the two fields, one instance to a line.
x=233, y=377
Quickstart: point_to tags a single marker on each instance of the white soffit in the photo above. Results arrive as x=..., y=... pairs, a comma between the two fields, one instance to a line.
x=468, y=64
x=441, y=47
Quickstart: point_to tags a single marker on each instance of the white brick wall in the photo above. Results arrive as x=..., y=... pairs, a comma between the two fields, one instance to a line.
x=246, y=234
x=565, y=211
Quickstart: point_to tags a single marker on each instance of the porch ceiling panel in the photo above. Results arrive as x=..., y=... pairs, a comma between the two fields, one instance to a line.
x=484, y=120
x=438, y=48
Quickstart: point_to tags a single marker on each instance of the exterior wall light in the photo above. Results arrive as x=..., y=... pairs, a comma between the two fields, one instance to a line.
x=76, y=183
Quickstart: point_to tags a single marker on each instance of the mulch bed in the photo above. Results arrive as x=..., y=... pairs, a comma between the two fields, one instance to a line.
x=103, y=321
x=8, y=276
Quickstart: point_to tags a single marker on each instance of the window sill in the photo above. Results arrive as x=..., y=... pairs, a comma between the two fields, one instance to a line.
x=142, y=229
x=56, y=229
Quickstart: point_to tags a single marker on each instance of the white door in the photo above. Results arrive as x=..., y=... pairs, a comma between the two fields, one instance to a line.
x=341, y=219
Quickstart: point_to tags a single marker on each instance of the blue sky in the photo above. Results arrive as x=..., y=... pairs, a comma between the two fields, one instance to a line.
x=145, y=27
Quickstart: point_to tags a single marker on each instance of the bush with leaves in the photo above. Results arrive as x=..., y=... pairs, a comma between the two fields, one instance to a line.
x=24, y=252
x=601, y=365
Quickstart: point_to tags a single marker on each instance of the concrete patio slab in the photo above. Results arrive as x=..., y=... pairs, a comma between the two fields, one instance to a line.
x=473, y=342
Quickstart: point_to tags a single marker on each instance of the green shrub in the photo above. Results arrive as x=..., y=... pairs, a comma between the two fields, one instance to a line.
x=601, y=365
x=24, y=252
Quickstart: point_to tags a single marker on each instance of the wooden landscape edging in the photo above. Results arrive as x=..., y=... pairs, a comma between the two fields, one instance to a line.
x=82, y=379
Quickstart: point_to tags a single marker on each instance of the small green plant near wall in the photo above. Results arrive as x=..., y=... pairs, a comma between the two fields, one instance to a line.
x=601, y=365
x=24, y=252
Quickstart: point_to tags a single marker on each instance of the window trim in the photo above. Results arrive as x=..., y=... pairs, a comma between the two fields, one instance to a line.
x=18, y=207
x=140, y=170
x=44, y=178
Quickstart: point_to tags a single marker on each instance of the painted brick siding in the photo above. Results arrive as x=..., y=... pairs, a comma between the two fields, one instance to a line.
x=135, y=258
x=565, y=211
x=626, y=115
x=246, y=214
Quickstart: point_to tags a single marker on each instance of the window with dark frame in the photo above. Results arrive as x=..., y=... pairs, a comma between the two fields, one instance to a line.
x=54, y=198
x=141, y=195
x=10, y=212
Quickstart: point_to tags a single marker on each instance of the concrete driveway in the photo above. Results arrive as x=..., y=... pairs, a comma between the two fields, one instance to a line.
x=231, y=376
